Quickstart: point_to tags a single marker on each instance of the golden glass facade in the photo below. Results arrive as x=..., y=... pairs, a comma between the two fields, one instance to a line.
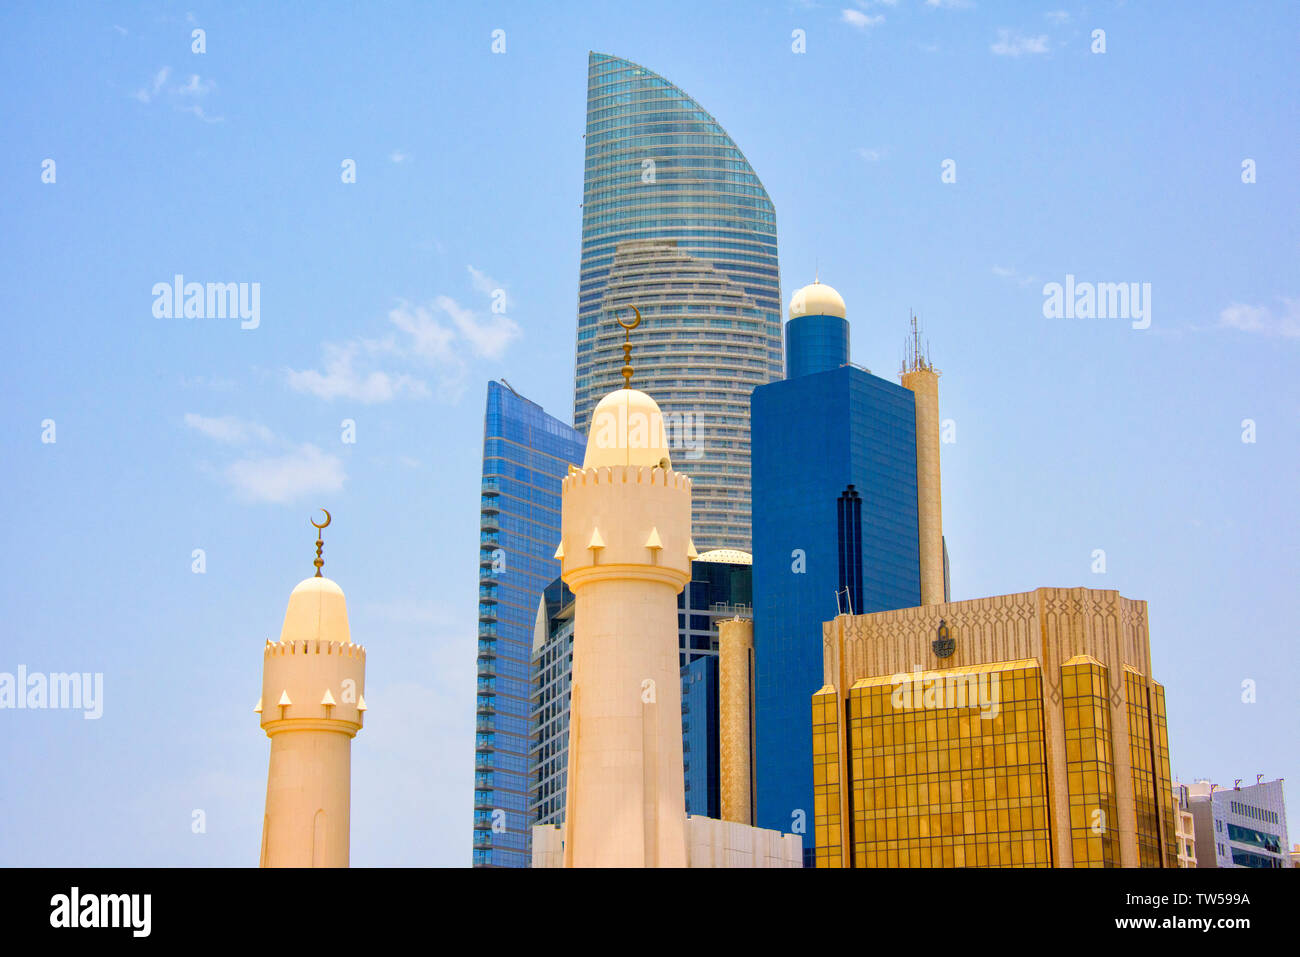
x=1090, y=767
x=1142, y=760
x=948, y=786
x=826, y=777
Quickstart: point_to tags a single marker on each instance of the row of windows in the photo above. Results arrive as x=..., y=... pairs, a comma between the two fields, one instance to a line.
x=1259, y=814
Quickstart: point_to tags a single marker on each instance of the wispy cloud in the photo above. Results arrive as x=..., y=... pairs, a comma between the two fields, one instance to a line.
x=397, y=156
x=183, y=97
x=1017, y=44
x=1006, y=272
x=1057, y=16
x=860, y=20
x=228, y=428
x=280, y=474
x=437, y=337
x=281, y=479
x=870, y=154
x=1264, y=321
x=950, y=4
x=341, y=379
x=146, y=93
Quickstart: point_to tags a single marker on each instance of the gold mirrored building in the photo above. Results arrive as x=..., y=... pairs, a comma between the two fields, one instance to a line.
x=1014, y=731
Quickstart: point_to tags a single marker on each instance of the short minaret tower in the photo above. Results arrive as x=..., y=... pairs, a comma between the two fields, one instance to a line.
x=625, y=552
x=313, y=702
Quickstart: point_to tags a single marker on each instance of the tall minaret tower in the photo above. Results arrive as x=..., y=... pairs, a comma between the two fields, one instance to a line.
x=625, y=552
x=312, y=705
x=919, y=375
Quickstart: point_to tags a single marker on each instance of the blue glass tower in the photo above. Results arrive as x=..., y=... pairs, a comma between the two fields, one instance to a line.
x=835, y=522
x=676, y=223
x=700, y=737
x=526, y=453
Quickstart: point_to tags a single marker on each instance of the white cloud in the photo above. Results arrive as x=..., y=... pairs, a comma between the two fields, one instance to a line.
x=871, y=155
x=949, y=4
x=1017, y=44
x=856, y=18
x=341, y=380
x=489, y=336
x=1263, y=320
x=146, y=93
x=397, y=156
x=281, y=479
x=196, y=87
x=1057, y=16
x=427, y=338
x=228, y=428
x=1006, y=272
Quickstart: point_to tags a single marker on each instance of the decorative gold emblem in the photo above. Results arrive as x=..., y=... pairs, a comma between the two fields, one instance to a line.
x=627, y=347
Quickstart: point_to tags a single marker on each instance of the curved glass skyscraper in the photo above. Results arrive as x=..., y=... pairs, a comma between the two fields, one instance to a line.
x=675, y=222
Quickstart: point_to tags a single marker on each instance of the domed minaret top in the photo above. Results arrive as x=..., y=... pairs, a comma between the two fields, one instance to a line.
x=817, y=335
x=817, y=299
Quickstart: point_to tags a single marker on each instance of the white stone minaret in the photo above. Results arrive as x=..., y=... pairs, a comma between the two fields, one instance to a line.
x=626, y=553
x=313, y=702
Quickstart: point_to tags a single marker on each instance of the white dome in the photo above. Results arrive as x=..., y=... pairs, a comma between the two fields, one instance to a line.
x=627, y=428
x=817, y=299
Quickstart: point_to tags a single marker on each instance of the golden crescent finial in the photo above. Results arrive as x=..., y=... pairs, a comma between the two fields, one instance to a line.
x=319, y=542
x=627, y=347
x=635, y=323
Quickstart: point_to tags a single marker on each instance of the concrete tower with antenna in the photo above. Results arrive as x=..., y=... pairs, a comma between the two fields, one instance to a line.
x=920, y=376
x=313, y=703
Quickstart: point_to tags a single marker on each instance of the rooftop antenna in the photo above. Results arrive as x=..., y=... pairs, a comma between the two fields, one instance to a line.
x=320, y=562
x=916, y=357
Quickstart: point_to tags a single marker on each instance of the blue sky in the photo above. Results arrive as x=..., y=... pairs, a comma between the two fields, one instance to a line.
x=179, y=434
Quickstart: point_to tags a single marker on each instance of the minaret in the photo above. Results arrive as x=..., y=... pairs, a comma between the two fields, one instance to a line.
x=625, y=552
x=312, y=705
x=919, y=375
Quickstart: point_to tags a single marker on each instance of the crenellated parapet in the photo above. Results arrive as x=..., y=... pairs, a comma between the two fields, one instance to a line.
x=626, y=521
x=314, y=684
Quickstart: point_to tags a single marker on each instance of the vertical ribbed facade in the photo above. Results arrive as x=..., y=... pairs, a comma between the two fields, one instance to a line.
x=526, y=454
x=676, y=223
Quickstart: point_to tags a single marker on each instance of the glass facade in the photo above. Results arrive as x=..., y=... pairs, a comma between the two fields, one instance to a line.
x=700, y=737
x=945, y=786
x=717, y=590
x=815, y=344
x=676, y=222
x=526, y=453
x=835, y=508
x=1090, y=766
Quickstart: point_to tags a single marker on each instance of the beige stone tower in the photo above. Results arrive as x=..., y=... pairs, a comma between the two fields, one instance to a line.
x=312, y=705
x=736, y=719
x=625, y=552
x=922, y=379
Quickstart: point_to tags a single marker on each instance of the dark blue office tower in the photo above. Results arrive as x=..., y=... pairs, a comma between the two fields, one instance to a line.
x=835, y=523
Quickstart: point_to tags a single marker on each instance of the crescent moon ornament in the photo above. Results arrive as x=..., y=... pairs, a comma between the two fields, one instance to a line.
x=636, y=322
x=627, y=347
x=319, y=542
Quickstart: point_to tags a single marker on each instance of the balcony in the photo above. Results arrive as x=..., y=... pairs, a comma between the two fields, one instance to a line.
x=483, y=840
x=489, y=522
x=487, y=704
x=489, y=503
x=488, y=591
x=487, y=611
x=487, y=649
x=491, y=486
x=484, y=724
x=489, y=538
x=487, y=630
